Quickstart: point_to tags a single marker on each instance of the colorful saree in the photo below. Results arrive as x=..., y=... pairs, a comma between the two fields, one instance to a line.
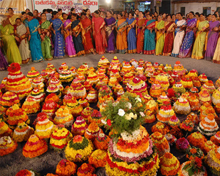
x=121, y=40
x=186, y=47
x=10, y=47
x=216, y=57
x=110, y=23
x=46, y=43
x=87, y=25
x=100, y=40
x=169, y=37
x=23, y=45
x=199, y=45
x=58, y=39
x=178, y=38
x=212, y=40
x=140, y=35
x=159, y=37
x=35, y=43
x=149, y=38
x=79, y=40
x=3, y=61
x=131, y=36
x=70, y=49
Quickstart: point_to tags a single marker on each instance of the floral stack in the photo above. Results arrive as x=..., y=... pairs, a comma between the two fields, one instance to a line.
x=63, y=116
x=132, y=153
x=79, y=127
x=7, y=145
x=60, y=137
x=78, y=149
x=17, y=82
x=22, y=132
x=34, y=147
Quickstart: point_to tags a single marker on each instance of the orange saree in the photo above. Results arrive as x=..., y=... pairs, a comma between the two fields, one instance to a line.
x=140, y=35
x=121, y=40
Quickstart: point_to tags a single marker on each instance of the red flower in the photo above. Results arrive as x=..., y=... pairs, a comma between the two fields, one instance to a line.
x=14, y=67
x=198, y=162
x=109, y=122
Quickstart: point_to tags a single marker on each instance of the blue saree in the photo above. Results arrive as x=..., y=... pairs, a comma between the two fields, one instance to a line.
x=58, y=39
x=132, y=40
x=35, y=41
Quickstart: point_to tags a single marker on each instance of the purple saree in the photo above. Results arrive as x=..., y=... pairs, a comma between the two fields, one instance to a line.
x=212, y=40
x=110, y=23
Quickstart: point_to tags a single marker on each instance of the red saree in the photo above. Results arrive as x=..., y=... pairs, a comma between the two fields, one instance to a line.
x=100, y=36
x=140, y=35
x=87, y=25
x=169, y=38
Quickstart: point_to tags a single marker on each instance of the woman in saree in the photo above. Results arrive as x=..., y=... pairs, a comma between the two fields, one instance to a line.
x=216, y=57
x=160, y=29
x=58, y=37
x=69, y=49
x=3, y=61
x=110, y=26
x=10, y=47
x=212, y=37
x=87, y=26
x=140, y=32
x=21, y=38
x=121, y=40
x=199, y=45
x=34, y=37
x=149, y=36
x=131, y=34
x=98, y=25
x=187, y=45
x=45, y=42
x=180, y=32
x=78, y=35
x=169, y=36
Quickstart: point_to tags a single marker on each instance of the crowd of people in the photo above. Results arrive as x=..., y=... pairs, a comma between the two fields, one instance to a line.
x=54, y=34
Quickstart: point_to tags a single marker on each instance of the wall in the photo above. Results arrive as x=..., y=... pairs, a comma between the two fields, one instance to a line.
x=116, y=5
x=196, y=7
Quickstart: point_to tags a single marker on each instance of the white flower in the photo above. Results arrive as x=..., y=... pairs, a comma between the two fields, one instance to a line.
x=127, y=117
x=142, y=114
x=138, y=99
x=103, y=121
x=121, y=112
x=135, y=116
x=129, y=106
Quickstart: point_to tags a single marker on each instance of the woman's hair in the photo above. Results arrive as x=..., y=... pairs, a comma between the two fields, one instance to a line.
x=42, y=14
x=22, y=13
x=72, y=9
x=192, y=13
x=83, y=13
x=54, y=13
x=169, y=16
x=30, y=14
x=131, y=13
x=96, y=12
x=215, y=15
x=141, y=12
x=74, y=14
x=109, y=11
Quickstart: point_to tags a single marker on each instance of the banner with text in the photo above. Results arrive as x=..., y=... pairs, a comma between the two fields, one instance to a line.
x=66, y=5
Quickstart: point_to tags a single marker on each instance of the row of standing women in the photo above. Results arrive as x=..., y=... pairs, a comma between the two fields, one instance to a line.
x=191, y=37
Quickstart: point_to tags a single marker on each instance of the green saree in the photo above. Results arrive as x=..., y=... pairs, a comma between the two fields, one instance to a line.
x=46, y=44
x=199, y=45
x=10, y=47
x=160, y=37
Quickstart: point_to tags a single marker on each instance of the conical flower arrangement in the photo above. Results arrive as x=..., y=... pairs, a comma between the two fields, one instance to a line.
x=208, y=126
x=34, y=147
x=63, y=116
x=165, y=113
x=60, y=137
x=7, y=145
x=169, y=164
x=22, y=132
x=125, y=155
x=17, y=82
